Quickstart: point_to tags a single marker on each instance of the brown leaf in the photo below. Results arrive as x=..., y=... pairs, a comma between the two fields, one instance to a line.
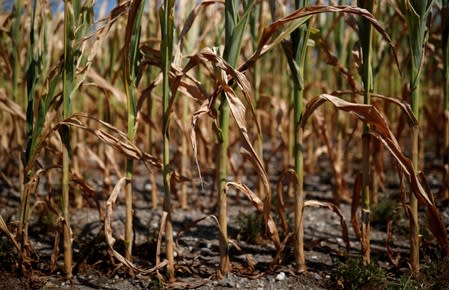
x=193, y=14
x=108, y=230
x=104, y=84
x=335, y=209
x=406, y=109
x=9, y=106
x=274, y=28
x=381, y=131
x=5, y=229
x=259, y=205
x=290, y=176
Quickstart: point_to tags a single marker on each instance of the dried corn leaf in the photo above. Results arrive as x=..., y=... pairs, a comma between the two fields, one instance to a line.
x=5, y=229
x=393, y=259
x=9, y=106
x=334, y=208
x=299, y=17
x=159, y=238
x=259, y=205
x=290, y=176
x=108, y=230
x=381, y=131
x=104, y=84
x=204, y=109
x=119, y=143
x=236, y=106
x=193, y=14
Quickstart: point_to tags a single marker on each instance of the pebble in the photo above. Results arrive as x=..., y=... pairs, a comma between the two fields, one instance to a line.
x=281, y=276
x=317, y=276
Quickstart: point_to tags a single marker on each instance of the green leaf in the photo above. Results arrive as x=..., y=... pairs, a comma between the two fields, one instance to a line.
x=233, y=45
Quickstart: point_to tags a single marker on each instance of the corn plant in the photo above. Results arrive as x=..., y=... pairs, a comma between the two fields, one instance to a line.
x=32, y=76
x=416, y=14
x=74, y=28
x=131, y=80
x=296, y=56
x=167, y=29
x=40, y=75
x=234, y=29
x=365, y=35
x=71, y=8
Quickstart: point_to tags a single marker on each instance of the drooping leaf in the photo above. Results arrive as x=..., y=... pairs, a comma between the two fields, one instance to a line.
x=381, y=131
x=297, y=18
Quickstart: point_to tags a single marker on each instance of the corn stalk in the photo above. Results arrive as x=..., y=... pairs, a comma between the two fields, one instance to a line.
x=233, y=37
x=31, y=77
x=167, y=29
x=416, y=12
x=366, y=35
x=255, y=22
x=131, y=79
x=71, y=8
x=296, y=55
x=16, y=46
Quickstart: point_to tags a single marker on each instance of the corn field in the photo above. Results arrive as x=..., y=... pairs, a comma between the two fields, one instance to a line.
x=129, y=126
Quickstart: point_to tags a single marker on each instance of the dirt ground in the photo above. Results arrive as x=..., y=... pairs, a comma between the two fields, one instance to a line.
x=197, y=253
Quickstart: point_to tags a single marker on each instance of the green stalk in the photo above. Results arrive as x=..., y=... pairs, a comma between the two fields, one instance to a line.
x=416, y=14
x=32, y=77
x=233, y=38
x=223, y=142
x=445, y=47
x=16, y=44
x=222, y=179
x=131, y=79
x=366, y=35
x=254, y=24
x=296, y=61
x=167, y=27
x=71, y=8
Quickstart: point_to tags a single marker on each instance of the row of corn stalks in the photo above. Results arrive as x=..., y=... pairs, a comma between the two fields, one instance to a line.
x=85, y=90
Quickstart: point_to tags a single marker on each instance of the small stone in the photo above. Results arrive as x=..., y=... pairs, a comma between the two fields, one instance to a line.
x=280, y=276
x=314, y=257
x=317, y=276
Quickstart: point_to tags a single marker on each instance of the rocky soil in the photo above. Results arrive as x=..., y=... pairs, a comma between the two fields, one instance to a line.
x=197, y=254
